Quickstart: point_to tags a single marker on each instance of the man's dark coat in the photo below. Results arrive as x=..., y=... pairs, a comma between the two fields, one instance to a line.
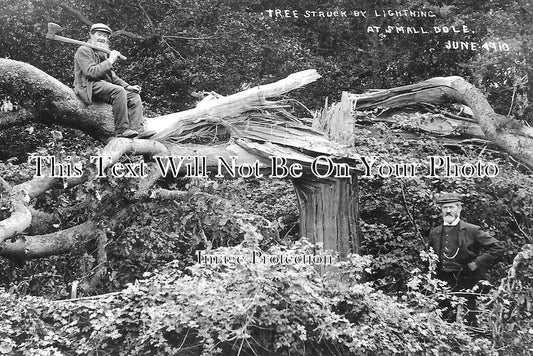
x=471, y=244
x=90, y=66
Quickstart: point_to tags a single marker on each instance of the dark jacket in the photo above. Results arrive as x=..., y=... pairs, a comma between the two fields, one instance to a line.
x=90, y=66
x=472, y=245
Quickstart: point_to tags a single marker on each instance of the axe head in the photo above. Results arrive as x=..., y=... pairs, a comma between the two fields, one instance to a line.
x=53, y=28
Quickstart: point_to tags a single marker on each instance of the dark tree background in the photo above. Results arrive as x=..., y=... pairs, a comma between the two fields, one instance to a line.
x=177, y=49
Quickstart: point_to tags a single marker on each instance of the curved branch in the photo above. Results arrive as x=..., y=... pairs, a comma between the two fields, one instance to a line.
x=37, y=186
x=30, y=247
x=117, y=147
x=511, y=135
x=21, y=217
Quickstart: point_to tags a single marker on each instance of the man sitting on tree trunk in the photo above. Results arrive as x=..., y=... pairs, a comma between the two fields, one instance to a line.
x=95, y=80
x=465, y=253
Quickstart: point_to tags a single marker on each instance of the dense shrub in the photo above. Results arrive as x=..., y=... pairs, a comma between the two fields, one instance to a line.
x=237, y=308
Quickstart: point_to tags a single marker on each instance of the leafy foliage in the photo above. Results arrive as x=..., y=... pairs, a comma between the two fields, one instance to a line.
x=238, y=309
x=510, y=310
x=399, y=212
x=179, y=48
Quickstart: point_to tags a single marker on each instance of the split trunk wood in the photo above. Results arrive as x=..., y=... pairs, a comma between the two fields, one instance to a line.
x=329, y=208
x=259, y=129
x=512, y=136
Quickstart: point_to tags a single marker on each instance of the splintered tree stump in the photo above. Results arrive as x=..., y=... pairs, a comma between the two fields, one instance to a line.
x=329, y=208
x=328, y=213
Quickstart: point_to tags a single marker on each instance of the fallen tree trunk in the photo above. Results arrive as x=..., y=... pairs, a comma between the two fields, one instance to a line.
x=257, y=135
x=45, y=99
x=510, y=135
x=53, y=102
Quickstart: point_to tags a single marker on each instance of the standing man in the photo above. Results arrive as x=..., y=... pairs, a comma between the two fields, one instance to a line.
x=465, y=253
x=95, y=80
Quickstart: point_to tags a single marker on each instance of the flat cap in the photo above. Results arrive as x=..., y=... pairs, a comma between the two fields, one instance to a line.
x=100, y=27
x=448, y=198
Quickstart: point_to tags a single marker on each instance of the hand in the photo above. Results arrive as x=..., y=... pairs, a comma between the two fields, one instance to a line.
x=472, y=266
x=134, y=88
x=113, y=56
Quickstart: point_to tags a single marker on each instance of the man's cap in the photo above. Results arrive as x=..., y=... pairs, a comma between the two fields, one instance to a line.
x=448, y=198
x=100, y=27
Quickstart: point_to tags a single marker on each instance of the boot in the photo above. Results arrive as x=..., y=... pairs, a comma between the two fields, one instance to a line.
x=128, y=133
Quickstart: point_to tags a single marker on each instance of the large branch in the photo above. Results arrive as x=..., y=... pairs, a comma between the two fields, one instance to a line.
x=54, y=102
x=50, y=100
x=30, y=247
x=257, y=134
x=212, y=112
x=21, y=218
x=511, y=135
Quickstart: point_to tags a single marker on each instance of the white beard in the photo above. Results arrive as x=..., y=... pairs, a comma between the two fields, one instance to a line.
x=104, y=45
x=449, y=218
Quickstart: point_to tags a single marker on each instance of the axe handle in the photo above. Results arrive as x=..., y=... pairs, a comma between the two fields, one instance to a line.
x=81, y=43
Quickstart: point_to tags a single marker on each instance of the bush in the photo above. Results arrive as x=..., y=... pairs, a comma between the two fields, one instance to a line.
x=236, y=308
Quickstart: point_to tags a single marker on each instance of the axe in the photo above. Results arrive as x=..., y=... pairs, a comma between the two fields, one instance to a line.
x=54, y=28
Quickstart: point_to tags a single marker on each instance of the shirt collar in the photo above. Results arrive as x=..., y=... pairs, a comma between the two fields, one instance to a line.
x=453, y=223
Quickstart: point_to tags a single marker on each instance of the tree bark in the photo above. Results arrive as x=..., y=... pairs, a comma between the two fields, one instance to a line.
x=38, y=246
x=328, y=214
x=51, y=101
x=17, y=222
